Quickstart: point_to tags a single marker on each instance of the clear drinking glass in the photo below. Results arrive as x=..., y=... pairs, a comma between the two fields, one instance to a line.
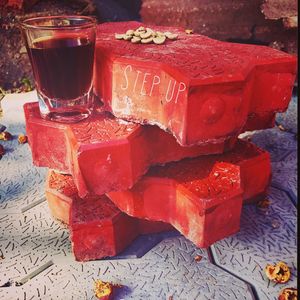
x=61, y=52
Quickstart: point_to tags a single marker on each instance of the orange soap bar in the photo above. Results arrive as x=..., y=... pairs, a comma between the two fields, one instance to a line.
x=103, y=153
x=199, y=89
x=201, y=197
x=97, y=227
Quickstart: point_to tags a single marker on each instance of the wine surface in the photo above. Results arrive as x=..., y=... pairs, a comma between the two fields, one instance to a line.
x=63, y=66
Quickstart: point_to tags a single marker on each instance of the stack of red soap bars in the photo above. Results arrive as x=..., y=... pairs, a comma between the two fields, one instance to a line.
x=163, y=151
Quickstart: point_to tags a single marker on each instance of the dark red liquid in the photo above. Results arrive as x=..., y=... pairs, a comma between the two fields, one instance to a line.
x=63, y=67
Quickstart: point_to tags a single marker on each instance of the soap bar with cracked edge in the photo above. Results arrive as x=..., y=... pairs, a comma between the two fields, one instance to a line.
x=97, y=227
x=103, y=153
x=197, y=88
x=201, y=197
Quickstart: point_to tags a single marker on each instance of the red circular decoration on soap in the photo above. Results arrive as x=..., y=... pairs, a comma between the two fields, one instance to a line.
x=212, y=110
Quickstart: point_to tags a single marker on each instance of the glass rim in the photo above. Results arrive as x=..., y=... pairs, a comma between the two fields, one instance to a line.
x=91, y=22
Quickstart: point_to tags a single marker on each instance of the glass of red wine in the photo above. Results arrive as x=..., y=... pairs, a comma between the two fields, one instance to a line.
x=61, y=52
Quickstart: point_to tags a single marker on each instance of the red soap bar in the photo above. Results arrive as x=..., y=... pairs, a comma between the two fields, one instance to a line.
x=200, y=197
x=199, y=89
x=97, y=227
x=103, y=153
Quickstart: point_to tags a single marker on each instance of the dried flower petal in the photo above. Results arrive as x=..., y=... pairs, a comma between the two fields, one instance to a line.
x=279, y=273
x=270, y=272
x=198, y=258
x=5, y=136
x=288, y=294
x=275, y=224
x=22, y=139
x=103, y=290
x=2, y=151
x=265, y=203
x=280, y=127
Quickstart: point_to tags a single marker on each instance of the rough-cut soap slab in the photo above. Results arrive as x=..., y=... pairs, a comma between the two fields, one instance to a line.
x=98, y=228
x=201, y=197
x=199, y=89
x=103, y=153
